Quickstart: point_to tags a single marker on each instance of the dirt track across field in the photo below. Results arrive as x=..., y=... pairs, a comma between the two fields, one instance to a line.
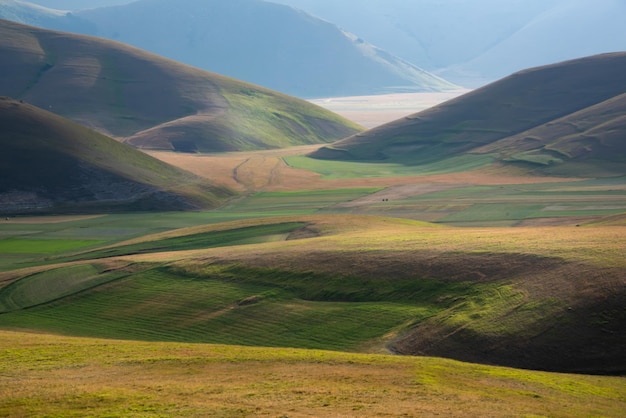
x=250, y=172
x=267, y=171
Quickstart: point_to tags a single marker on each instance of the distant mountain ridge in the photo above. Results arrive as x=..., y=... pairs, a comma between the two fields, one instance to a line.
x=79, y=4
x=474, y=42
x=263, y=43
x=51, y=165
x=565, y=119
x=150, y=101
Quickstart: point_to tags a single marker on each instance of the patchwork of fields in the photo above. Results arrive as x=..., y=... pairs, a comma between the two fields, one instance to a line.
x=388, y=268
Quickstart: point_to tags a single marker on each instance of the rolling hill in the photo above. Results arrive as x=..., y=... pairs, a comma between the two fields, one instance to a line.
x=546, y=298
x=151, y=102
x=49, y=164
x=565, y=119
x=260, y=42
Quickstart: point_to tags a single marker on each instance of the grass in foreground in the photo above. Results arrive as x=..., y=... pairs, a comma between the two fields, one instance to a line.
x=88, y=377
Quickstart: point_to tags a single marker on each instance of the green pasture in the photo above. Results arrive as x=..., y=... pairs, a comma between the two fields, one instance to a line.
x=22, y=243
x=230, y=304
x=509, y=204
x=296, y=203
x=237, y=236
x=53, y=284
x=332, y=169
x=162, y=305
x=43, y=246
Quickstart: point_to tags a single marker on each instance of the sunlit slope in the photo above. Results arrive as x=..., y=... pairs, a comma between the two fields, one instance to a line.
x=547, y=298
x=151, y=102
x=565, y=118
x=50, y=164
x=121, y=378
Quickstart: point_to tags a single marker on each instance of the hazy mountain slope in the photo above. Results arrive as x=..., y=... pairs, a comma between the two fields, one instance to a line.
x=79, y=4
x=529, y=104
x=570, y=29
x=470, y=42
x=38, y=15
x=151, y=101
x=49, y=164
x=20, y=11
x=473, y=42
x=430, y=33
x=264, y=43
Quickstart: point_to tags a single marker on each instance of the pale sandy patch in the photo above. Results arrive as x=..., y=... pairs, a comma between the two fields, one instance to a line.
x=376, y=110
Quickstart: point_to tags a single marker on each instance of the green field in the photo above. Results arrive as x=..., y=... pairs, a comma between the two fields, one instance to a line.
x=50, y=246
x=301, y=270
x=347, y=170
x=296, y=203
x=165, y=305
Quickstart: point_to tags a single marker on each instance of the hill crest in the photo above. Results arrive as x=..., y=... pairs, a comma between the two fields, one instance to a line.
x=514, y=120
x=124, y=92
x=49, y=164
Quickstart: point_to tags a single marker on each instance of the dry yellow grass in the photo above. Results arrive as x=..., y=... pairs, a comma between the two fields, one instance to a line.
x=602, y=246
x=43, y=375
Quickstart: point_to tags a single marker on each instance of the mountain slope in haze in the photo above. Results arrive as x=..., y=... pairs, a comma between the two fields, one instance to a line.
x=260, y=42
x=433, y=34
x=43, y=16
x=551, y=118
x=567, y=30
x=474, y=42
x=19, y=11
x=152, y=102
x=49, y=164
x=79, y=4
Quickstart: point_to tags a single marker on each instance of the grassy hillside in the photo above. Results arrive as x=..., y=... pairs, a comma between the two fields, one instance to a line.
x=124, y=378
x=590, y=142
x=49, y=164
x=544, y=297
x=149, y=101
x=518, y=119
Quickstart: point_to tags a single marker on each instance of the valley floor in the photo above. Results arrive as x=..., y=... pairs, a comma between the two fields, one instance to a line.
x=323, y=256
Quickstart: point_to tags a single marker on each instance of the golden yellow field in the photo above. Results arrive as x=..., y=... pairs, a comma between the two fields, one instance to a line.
x=43, y=375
